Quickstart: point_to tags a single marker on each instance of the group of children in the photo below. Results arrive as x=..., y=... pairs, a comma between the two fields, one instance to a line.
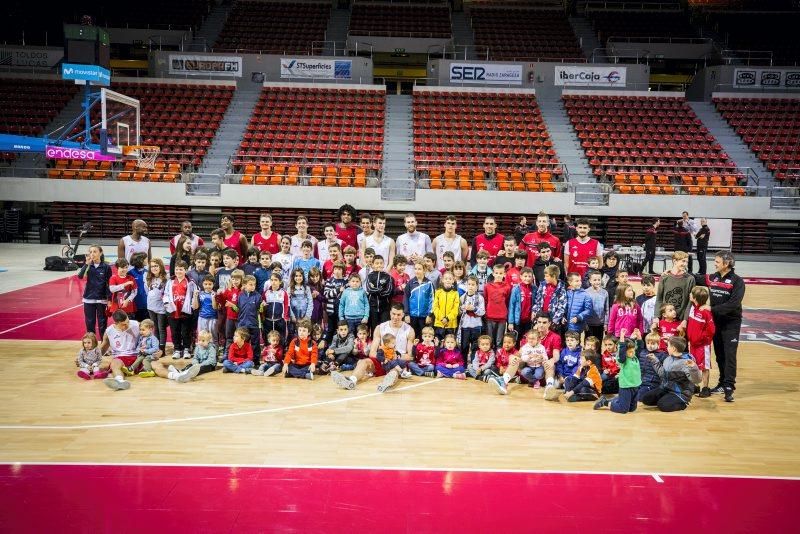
x=291, y=314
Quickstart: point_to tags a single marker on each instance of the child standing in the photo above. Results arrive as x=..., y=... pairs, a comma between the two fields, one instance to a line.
x=380, y=289
x=399, y=277
x=305, y=261
x=285, y=259
x=668, y=324
x=445, y=307
x=630, y=376
x=647, y=301
x=418, y=299
x=473, y=308
x=252, y=263
x=148, y=350
x=271, y=356
x=333, y=290
x=482, y=366
x=496, y=295
x=264, y=271
x=520, y=303
x=424, y=363
x=301, y=357
x=625, y=313
x=301, y=303
x=276, y=307
x=155, y=282
x=551, y=297
x=610, y=367
x=97, y=274
x=514, y=274
x=240, y=353
x=89, y=358
x=229, y=300
x=579, y=305
x=178, y=297
x=123, y=289
x=585, y=384
x=138, y=270
x=316, y=285
x=598, y=319
x=354, y=306
x=205, y=302
x=431, y=272
x=700, y=330
x=481, y=270
x=678, y=374
x=249, y=304
x=449, y=362
x=205, y=353
x=594, y=267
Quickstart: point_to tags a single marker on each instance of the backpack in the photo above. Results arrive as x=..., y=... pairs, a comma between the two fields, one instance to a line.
x=57, y=263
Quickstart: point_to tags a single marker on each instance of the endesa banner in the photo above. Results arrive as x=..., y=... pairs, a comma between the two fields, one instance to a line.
x=583, y=76
x=486, y=73
x=748, y=77
x=320, y=69
x=205, y=65
x=60, y=152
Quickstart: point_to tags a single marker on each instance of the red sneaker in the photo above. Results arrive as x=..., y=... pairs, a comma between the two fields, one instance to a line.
x=84, y=375
x=99, y=375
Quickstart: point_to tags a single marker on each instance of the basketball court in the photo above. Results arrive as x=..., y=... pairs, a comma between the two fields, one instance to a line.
x=229, y=452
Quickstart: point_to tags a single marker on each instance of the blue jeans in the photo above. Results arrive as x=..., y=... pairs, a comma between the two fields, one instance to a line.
x=449, y=371
x=391, y=364
x=473, y=371
x=234, y=368
x=352, y=324
x=297, y=371
x=625, y=401
x=532, y=374
x=268, y=365
x=418, y=370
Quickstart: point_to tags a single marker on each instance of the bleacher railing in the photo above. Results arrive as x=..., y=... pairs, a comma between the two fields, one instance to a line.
x=746, y=57
x=784, y=198
x=632, y=6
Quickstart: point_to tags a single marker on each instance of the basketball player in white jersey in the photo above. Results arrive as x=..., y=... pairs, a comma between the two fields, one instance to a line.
x=451, y=241
x=366, y=368
x=413, y=245
x=135, y=241
x=382, y=244
x=302, y=235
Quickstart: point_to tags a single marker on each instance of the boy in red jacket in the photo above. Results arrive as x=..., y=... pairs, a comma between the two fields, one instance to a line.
x=301, y=357
x=240, y=355
x=700, y=330
x=496, y=294
x=123, y=289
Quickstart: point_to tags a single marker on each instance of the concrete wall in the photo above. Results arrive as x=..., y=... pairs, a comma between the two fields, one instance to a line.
x=665, y=50
x=268, y=64
x=390, y=44
x=44, y=190
x=148, y=36
x=540, y=76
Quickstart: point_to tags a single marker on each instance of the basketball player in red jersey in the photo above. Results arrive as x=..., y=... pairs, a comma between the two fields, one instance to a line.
x=266, y=240
x=531, y=241
x=234, y=238
x=579, y=249
x=489, y=240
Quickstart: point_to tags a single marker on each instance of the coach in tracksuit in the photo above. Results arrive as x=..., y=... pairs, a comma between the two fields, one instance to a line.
x=727, y=291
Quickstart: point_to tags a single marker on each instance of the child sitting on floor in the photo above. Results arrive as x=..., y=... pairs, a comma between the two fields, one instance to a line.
x=610, y=367
x=148, y=350
x=271, y=356
x=424, y=354
x=205, y=353
x=678, y=374
x=301, y=357
x=585, y=384
x=89, y=358
x=449, y=362
x=482, y=366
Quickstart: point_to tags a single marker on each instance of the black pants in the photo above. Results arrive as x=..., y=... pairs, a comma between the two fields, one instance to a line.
x=440, y=334
x=649, y=258
x=610, y=385
x=278, y=325
x=230, y=329
x=665, y=400
x=207, y=369
x=726, y=344
x=333, y=321
x=181, y=331
x=701, y=260
x=140, y=314
x=418, y=323
x=255, y=342
x=469, y=341
x=95, y=317
x=160, y=320
x=496, y=330
x=378, y=317
x=596, y=330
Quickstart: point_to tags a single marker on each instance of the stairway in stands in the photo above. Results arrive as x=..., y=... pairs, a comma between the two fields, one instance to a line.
x=398, y=150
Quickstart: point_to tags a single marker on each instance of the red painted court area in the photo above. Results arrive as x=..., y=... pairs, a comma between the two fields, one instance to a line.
x=84, y=498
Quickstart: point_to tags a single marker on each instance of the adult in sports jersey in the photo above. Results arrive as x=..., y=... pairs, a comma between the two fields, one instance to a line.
x=580, y=248
x=412, y=244
x=186, y=231
x=366, y=230
x=542, y=233
x=450, y=241
x=382, y=244
x=726, y=289
x=489, y=240
x=122, y=340
x=301, y=236
x=234, y=238
x=266, y=240
x=134, y=242
x=323, y=247
x=368, y=367
x=346, y=230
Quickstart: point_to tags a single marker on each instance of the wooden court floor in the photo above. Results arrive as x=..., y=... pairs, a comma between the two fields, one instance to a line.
x=49, y=415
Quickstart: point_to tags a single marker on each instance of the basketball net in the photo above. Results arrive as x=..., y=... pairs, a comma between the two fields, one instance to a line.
x=145, y=155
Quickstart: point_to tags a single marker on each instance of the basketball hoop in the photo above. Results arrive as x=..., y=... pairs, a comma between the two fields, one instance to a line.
x=145, y=155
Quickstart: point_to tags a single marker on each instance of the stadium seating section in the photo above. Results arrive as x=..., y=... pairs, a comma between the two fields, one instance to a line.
x=274, y=27
x=398, y=20
x=771, y=128
x=650, y=144
x=466, y=140
x=640, y=24
x=759, y=32
x=181, y=119
x=511, y=32
x=319, y=136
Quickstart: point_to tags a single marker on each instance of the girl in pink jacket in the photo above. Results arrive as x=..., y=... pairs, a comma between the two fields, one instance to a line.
x=625, y=313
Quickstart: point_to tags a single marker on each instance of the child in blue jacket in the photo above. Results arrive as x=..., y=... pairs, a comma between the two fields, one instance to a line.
x=354, y=306
x=579, y=304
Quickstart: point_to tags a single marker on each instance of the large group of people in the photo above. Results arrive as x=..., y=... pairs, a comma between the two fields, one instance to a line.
x=553, y=313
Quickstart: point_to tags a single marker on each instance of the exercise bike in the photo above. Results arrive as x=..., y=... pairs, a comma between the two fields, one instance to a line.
x=69, y=251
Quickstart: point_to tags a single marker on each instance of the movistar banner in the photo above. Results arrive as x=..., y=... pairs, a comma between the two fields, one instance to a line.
x=91, y=73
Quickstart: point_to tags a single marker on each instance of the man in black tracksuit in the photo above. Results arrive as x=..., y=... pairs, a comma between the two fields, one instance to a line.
x=683, y=240
x=727, y=291
x=701, y=237
x=650, y=246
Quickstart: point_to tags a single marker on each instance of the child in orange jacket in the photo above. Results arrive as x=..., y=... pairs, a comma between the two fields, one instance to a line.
x=301, y=357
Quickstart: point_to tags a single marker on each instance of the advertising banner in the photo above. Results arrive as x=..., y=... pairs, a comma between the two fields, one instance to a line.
x=486, y=73
x=94, y=74
x=587, y=75
x=320, y=69
x=26, y=56
x=766, y=78
x=60, y=152
x=200, y=65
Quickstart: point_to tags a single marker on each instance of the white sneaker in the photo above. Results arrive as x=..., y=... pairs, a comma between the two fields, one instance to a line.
x=550, y=392
x=406, y=374
x=176, y=355
x=187, y=355
x=271, y=371
x=342, y=381
x=388, y=381
x=309, y=376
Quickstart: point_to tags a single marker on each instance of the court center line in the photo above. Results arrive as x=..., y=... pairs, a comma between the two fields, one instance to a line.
x=41, y=318
x=211, y=417
x=434, y=469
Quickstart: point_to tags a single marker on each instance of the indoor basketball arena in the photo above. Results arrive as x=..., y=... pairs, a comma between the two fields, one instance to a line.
x=525, y=265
